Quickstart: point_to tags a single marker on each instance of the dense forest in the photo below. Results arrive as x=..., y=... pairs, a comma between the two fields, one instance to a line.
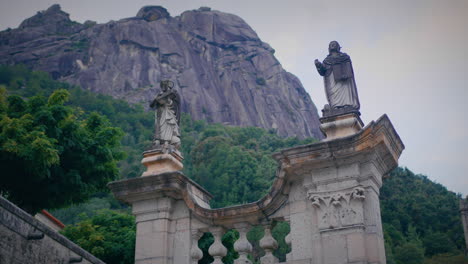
x=420, y=217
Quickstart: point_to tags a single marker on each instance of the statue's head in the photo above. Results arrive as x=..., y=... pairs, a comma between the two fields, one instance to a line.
x=334, y=46
x=165, y=85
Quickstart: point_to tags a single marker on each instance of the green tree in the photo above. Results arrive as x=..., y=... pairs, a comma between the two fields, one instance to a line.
x=437, y=243
x=447, y=258
x=50, y=156
x=409, y=253
x=74, y=213
x=132, y=119
x=233, y=163
x=109, y=235
x=418, y=211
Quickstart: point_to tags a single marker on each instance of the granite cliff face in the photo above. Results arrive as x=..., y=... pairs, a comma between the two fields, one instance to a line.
x=222, y=70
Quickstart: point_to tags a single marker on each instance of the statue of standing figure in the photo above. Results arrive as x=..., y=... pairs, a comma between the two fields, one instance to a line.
x=167, y=116
x=340, y=86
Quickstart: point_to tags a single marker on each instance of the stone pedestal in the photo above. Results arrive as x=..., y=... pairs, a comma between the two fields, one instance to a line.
x=163, y=220
x=333, y=202
x=464, y=216
x=162, y=159
x=339, y=126
x=327, y=191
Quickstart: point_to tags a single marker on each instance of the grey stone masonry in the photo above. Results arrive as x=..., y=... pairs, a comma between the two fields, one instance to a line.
x=328, y=192
x=25, y=240
x=464, y=216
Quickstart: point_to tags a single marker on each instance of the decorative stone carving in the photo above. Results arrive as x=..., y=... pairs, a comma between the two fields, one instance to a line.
x=242, y=245
x=339, y=225
x=167, y=116
x=268, y=243
x=464, y=215
x=164, y=155
x=217, y=249
x=341, y=114
x=195, y=252
x=340, y=86
x=338, y=209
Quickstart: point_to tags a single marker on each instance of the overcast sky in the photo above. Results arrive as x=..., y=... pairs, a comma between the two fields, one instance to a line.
x=410, y=60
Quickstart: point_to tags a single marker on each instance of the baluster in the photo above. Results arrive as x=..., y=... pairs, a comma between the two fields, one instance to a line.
x=288, y=240
x=195, y=252
x=242, y=245
x=268, y=243
x=217, y=249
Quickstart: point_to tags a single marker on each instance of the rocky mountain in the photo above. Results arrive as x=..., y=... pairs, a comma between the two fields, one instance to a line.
x=222, y=70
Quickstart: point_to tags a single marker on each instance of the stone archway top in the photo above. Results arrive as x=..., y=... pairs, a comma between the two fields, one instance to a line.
x=377, y=138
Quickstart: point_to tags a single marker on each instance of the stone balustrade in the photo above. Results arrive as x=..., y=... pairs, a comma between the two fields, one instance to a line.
x=328, y=192
x=464, y=216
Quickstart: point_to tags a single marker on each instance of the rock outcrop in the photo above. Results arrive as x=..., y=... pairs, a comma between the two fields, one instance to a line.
x=222, y=70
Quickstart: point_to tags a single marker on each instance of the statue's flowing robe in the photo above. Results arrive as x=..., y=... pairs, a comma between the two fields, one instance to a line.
x=340, y=86
x=167, y=118
x=168, y=127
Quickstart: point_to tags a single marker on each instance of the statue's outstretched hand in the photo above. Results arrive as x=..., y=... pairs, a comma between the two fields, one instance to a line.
x=317, y=63
x=153, y=104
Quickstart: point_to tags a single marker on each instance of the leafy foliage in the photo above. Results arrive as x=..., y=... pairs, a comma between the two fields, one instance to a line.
x=77, y=212
x=109, y=235
x=409, y=253
x=50, y=156
x=233, y=163
x=420, y=218
x=132, y=120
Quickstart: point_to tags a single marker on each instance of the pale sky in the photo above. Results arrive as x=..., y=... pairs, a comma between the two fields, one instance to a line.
x=410, y=60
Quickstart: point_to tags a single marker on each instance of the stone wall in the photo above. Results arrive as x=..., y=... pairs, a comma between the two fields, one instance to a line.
x=24, y=240
x=49, y=220
x=464, y=216
x=328, y=192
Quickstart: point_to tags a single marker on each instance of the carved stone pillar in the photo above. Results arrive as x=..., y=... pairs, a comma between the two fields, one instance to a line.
x=268, y=243
x=217, y=250
x=195, y=252
x=333, y=201
x=163, y=221
x=242, y=245
x=328, y=191
x=464, y=215
x=153, y=224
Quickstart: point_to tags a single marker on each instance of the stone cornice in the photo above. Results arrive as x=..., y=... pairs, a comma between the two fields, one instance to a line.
x=378, y=138
x=178, y=186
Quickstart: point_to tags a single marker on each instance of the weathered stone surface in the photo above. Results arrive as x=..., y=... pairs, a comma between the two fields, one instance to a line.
x=327, y=191
x=464, y=216
x=25, y=240
x=222, y=70
x=152, y=13
x=161, y=163
x=157, y=162
x=340, y=126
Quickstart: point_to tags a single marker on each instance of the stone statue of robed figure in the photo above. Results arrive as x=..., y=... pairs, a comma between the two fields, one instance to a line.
x=340, y=86
x=167, y=116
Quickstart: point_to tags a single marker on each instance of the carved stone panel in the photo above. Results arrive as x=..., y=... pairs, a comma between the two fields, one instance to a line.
x=338, y=209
